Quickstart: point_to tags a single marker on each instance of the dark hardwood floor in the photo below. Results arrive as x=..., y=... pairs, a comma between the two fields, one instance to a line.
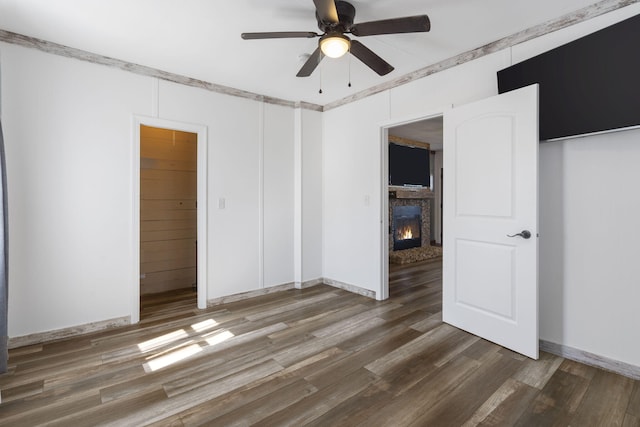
x=320, y=356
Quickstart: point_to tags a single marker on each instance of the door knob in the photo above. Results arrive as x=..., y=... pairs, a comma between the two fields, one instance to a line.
x=525, y=234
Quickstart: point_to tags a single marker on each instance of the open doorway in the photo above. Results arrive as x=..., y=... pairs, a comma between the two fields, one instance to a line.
x=170, y=214
x=168, y=219
x=412, y=156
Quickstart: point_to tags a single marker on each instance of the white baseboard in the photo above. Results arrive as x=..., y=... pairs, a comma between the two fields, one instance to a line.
x=351, y=288
x=591, y=359
x=249, y=294
x=310, y=283
x=58, y=334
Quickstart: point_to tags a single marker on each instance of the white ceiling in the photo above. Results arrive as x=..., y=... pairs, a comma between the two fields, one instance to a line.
x=201, y=38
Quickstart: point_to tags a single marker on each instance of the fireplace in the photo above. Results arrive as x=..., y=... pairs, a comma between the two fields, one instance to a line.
x=406, y=226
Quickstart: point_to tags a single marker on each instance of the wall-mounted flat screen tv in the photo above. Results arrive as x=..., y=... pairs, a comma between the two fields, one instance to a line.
x=408, y=166
x=589, y=85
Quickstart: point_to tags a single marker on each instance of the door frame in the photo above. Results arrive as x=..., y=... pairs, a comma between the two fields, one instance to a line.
x=383, y=290
x=202, y=204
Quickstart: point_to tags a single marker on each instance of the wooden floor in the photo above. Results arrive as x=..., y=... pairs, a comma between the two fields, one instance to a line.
x=320, y=356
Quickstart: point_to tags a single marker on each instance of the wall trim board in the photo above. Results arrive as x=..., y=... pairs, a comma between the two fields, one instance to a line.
x=350, y=288
x=556, y=24
x=250, y=294
x=288, y=286
x=73, y=331
x=591, y=359
x=83, y=55
x=311, y=283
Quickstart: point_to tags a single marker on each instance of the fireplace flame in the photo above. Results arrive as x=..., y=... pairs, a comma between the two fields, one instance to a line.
x=406, y=233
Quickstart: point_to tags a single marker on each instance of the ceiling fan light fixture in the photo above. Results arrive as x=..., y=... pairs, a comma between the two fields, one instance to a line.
x=334, y=45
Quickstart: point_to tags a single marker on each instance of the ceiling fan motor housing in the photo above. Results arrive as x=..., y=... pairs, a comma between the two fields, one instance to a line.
x=346, y=15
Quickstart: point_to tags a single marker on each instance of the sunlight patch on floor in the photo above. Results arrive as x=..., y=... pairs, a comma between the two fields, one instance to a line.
x=218, y=337
x=171, y=358
x=163, y=340
x=204, y=325
x=163, y=354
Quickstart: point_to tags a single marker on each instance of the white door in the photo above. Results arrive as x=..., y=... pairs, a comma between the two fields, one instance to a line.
x=490, y=280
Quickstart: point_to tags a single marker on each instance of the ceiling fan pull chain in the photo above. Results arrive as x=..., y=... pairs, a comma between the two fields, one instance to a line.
x=320, y=91
x=349, y=85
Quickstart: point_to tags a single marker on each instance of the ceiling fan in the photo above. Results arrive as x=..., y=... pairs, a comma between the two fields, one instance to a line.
x=335, y=19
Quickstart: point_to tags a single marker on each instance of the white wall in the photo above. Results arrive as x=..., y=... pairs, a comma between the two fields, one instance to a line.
x=251, y=168
x=67, y=131
x=68, y=135
x=311, y=176
x=278, y=195
x=588, y=237
x=351, y=192
x=234, y=151
x=459, y=85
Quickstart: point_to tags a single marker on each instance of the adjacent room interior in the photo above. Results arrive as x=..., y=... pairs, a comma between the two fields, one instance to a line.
x=415, y=191
x=168, y=220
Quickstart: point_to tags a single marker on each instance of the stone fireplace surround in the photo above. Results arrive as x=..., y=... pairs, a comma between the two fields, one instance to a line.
x=401, y=196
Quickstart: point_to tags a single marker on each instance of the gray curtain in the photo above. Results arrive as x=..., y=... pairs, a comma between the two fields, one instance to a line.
x=4, y=243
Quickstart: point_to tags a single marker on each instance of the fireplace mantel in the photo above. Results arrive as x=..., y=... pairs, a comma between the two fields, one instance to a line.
x=396, y=192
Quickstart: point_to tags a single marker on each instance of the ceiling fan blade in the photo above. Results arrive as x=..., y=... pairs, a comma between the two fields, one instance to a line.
x=370, y=59
x=311, y=63
x=410, y=24
x=279, y=35
x=327, y=11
